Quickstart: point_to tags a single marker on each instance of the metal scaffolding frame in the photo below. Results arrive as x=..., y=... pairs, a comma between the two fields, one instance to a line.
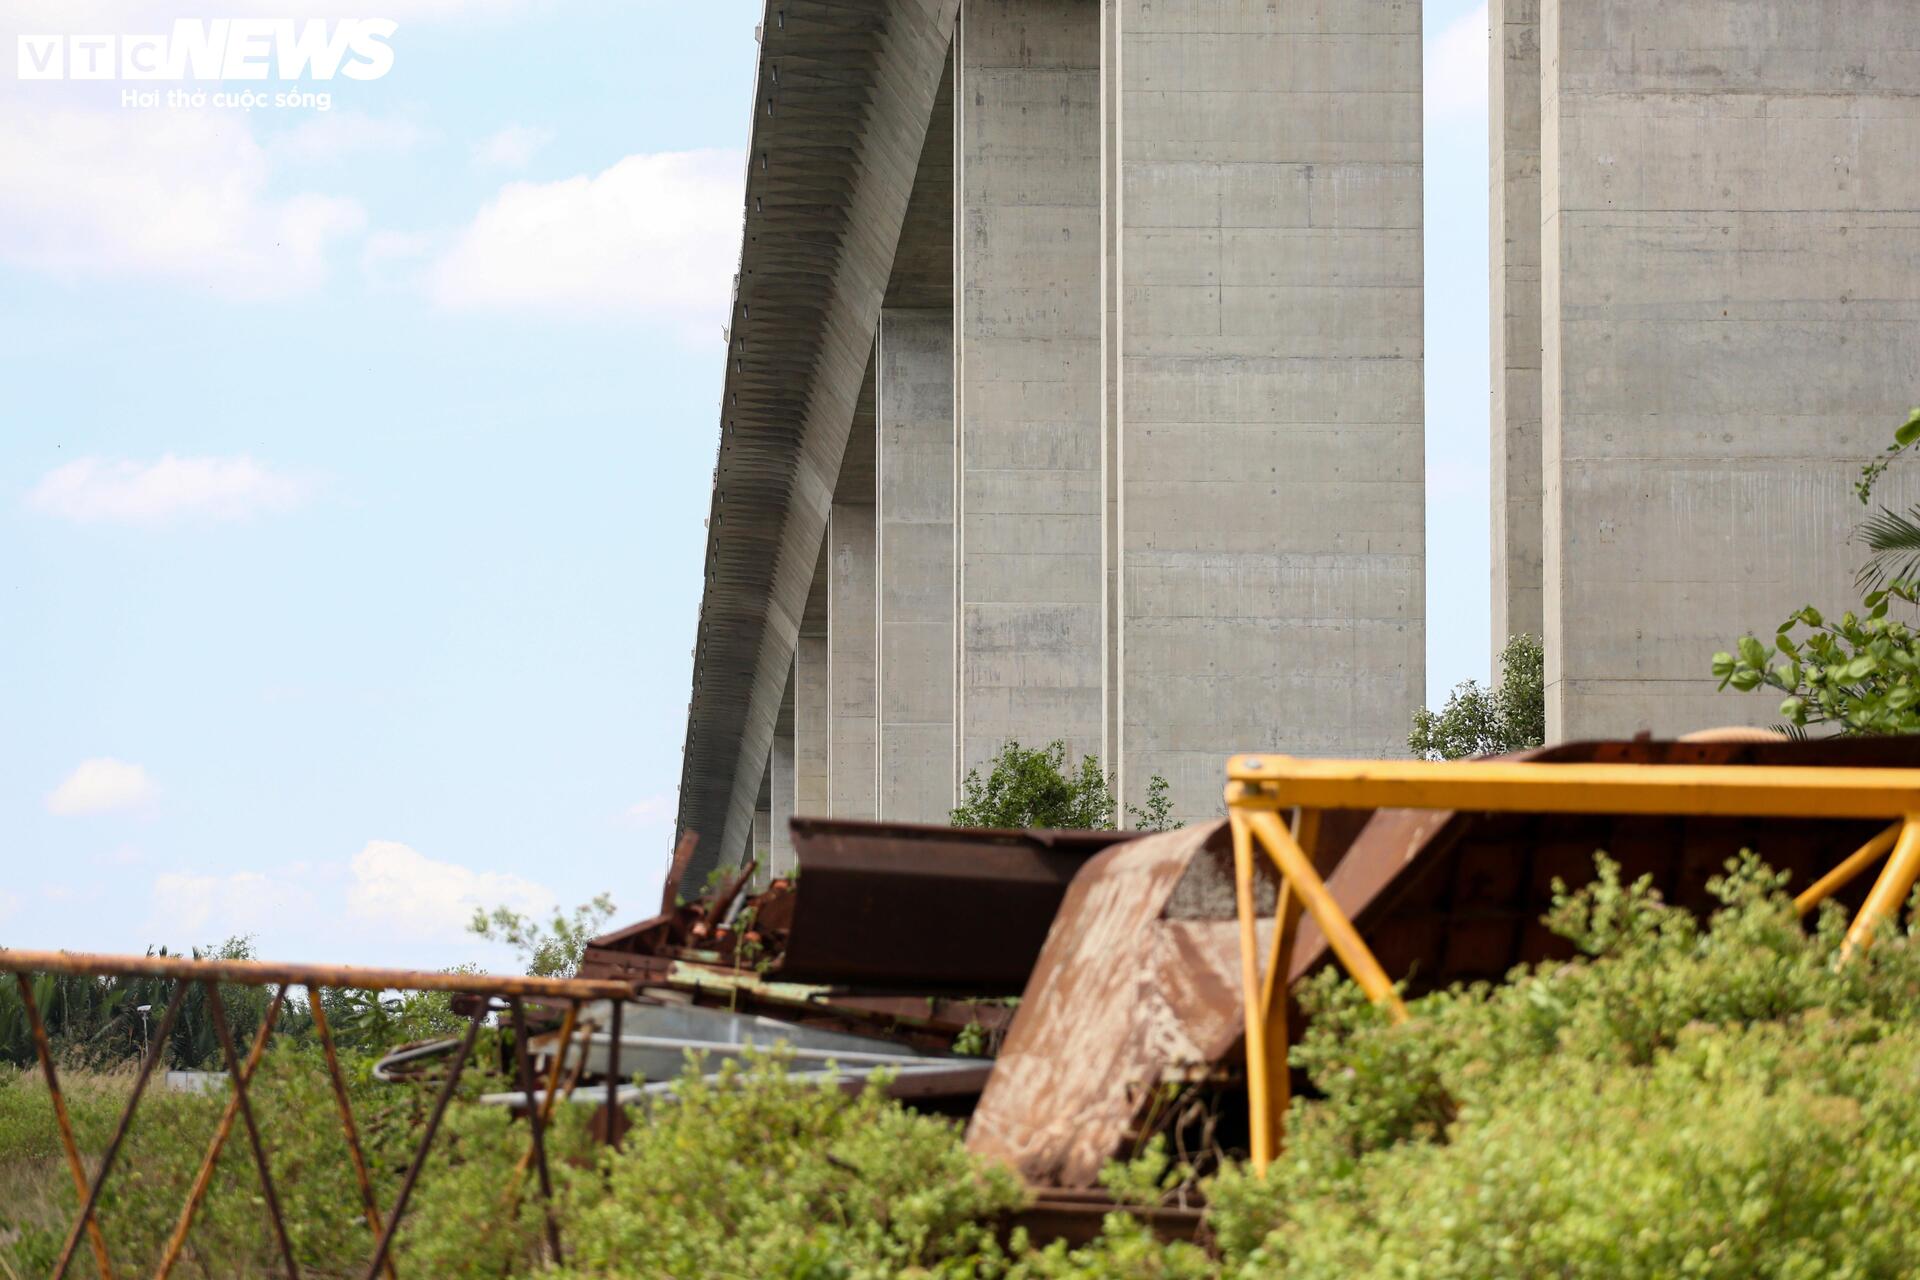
x=1260, y=788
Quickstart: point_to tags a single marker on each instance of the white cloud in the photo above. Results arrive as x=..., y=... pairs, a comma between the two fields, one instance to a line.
x=654, y=811
x=245, y=902
x=177, y=195
x=397, y=889
x=122, y=491
x=511, y=148
x=390, y=255
x=1456, y=69
x=654, y=236
x=9, y=904
x=122, y=855
x=333, y=135
x=102, y=784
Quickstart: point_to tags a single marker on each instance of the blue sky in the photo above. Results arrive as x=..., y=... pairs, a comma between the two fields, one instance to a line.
x=353, y=467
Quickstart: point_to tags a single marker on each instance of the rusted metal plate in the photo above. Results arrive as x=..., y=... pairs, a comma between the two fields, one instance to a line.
x=904, y=905
x=927, y=1020
x=261, y=973
x=1077, y=1217
x=897, y=907
x=1446, y=897
x=1135, y=985
x=1139, y=982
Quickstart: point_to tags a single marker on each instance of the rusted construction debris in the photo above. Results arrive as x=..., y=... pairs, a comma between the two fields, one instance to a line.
x=1126, y=950
x=1445, y=897
x=1137, y=992
x=915, y=932
x=898, y=904
x=1138, y=987
x=1076, y=1215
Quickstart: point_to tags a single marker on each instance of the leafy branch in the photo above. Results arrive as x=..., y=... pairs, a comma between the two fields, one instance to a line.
x=1859, y=673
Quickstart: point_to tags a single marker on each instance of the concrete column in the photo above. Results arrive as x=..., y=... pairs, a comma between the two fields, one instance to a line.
x=1731, y=311
x=1270, y=438
x=914, y=412
x=811, y=703
x=762, y=851
x=1514, y=202
x=852, y=644
x=1027, y=323
x=785, y=793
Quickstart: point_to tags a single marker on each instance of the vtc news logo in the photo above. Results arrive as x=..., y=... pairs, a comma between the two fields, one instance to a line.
x=218, y=49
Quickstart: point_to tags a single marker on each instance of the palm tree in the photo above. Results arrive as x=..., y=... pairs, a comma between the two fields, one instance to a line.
x=1892, y=539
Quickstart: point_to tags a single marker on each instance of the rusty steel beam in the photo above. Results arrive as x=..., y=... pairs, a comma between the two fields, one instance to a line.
x=1456, y=896
x=203, y=1179
x=63, y=1121
x=367, y=1200
x=906, y=905
x=257, y=973
x=92, y=1201
x=614, y=1079
x=217, y=1008
x=1512, y=786
x=536, y=1122
x=459, y=1063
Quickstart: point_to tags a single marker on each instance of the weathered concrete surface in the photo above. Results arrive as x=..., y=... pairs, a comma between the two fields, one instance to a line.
x=914, y=415
x=1027, y=324
x=762, y=850
x=785, y=792
x=837, y=136
x=851, y=663
x=812, y=715
x=1513, y=67
x=1731, y=323
x=1269, y=330
x=1182, y=454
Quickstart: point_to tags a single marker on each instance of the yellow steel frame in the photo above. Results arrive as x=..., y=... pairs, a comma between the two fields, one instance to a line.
x=1261, y=788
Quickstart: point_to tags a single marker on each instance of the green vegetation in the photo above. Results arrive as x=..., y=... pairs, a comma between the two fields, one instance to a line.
x=552, y=950
x=456, y=1227
x=1892, y=539
x=763, y=1175
x=1859, y=673
x=1482, y=722
x=98, y=1024
x=756, y=1174
x=98, y=1021
x=1682, y=1099
x=1034, y=788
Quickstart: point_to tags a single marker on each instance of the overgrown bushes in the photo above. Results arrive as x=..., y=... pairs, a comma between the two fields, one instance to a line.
x=458, y=1224
x=764, y=1175
x=1685, y=1099
x=1025, y=787
x=1510, y=716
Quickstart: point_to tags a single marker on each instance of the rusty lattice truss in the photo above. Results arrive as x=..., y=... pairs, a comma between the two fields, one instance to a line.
x=486, y=994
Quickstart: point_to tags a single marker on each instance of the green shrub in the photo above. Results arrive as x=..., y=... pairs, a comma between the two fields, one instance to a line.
x=1858, y=673
x=550, y=948
x=1482, y=722
x=764, y=1175
x=1688, y=1101
x=1025, y=787
x=455, y=1225
x=1683, y=1099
